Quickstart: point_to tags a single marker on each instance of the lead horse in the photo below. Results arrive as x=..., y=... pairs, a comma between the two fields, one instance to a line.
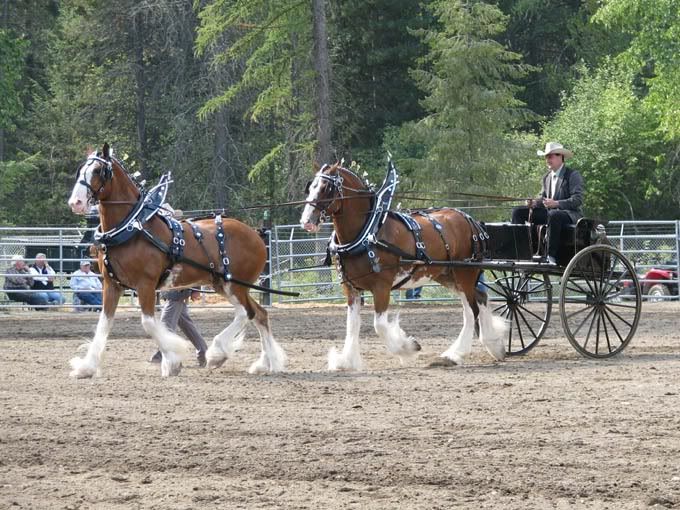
x=370, y=246
x=141, y=249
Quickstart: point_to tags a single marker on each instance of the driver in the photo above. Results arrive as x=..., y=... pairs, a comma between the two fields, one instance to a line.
x=561, y=200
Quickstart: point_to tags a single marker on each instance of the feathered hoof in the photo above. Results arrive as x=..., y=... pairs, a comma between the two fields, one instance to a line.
x=216, y=362
x=215, y=358
x=341, y=362
x=171, y=365
x=258, y=367
x=269, y=363
x=81, y=369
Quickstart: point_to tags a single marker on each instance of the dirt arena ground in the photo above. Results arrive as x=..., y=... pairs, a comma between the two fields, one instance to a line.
x=549, y=430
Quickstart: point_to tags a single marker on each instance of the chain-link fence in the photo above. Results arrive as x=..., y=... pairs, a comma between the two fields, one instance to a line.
x=296, y=261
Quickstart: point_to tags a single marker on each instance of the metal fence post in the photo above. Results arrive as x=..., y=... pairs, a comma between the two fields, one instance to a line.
x=677, y=254
x=266, y=298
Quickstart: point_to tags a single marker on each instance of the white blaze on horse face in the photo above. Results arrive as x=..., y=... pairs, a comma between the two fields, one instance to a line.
x=79, y=199
x=308, y=221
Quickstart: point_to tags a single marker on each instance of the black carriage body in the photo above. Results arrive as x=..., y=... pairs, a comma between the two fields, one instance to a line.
x=509, y=241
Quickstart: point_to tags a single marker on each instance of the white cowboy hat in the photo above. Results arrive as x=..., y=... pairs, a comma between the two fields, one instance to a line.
x=16, y=258
x=555, y=148
x=85, y=263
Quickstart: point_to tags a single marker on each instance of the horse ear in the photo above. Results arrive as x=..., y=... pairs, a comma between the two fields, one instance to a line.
x=316, y=166
x=106, y=151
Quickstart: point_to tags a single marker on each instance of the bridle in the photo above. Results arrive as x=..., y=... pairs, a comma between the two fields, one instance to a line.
x=105, y=174
x=335, y=182
x=336, y=194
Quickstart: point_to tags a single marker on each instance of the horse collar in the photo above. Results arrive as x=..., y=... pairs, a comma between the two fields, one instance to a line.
x=145, y=208
x=366, y=239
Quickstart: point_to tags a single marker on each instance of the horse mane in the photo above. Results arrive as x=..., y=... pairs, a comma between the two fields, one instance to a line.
x=369, y=187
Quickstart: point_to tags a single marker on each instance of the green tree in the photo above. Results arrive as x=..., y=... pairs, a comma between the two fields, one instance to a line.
x=654, y=53
x=276, y=84
x=615, y=147
x=373, y=48
x=12, y=55
x=472, y=109
x=553, y=36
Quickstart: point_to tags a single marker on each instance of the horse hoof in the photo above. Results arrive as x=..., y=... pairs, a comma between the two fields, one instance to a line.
x=214, y=363
x=257, y=369
x=171, y=369
x=442, y=362
x=81, y=374
x=81, y=370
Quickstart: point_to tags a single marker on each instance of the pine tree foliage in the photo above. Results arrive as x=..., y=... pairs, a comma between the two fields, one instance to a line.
x=472, y=109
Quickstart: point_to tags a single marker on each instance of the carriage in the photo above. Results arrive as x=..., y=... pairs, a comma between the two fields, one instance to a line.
x=600, y=298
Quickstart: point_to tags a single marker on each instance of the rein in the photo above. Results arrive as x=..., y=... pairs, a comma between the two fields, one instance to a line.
x=403, y=195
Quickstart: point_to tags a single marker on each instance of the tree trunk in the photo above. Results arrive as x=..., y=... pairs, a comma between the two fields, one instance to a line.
x=322, y=68
x=140, y=87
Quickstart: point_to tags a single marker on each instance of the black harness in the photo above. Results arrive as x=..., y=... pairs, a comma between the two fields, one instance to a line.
x=366, y=241
x=150, y=205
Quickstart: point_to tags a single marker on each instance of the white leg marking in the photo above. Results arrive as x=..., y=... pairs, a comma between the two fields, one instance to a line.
x=172, y=346
x=461, y=348
x=272, y=358
x=492, y=332
x=350, y=358
x=397, y=341
x=229, y=339
x=88, y=366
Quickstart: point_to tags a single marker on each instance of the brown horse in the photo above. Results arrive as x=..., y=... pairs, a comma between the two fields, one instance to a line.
x=142, y=263
x=445, y=234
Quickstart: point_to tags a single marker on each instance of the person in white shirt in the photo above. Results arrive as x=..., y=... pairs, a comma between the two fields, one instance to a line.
x=43, y=280
x=561, y=200
x=87, y=285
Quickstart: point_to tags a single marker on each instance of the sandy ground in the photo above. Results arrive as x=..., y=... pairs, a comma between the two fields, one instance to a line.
x=549, y=430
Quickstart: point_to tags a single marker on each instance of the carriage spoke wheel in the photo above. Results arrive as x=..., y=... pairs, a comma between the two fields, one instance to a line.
x=524, y=300
x=600, y=301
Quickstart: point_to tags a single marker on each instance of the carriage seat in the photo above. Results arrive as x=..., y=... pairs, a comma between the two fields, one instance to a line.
x=573, y=239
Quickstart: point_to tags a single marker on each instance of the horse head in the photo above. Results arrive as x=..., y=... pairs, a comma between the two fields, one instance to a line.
x=326, y=193
x=103, y=179
x=93, y=178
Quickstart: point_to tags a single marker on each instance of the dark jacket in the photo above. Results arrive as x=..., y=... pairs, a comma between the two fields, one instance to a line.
x=569, y=192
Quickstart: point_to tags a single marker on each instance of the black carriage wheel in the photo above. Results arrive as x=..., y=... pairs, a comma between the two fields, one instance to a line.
x=524, y=300
x=600, y=301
